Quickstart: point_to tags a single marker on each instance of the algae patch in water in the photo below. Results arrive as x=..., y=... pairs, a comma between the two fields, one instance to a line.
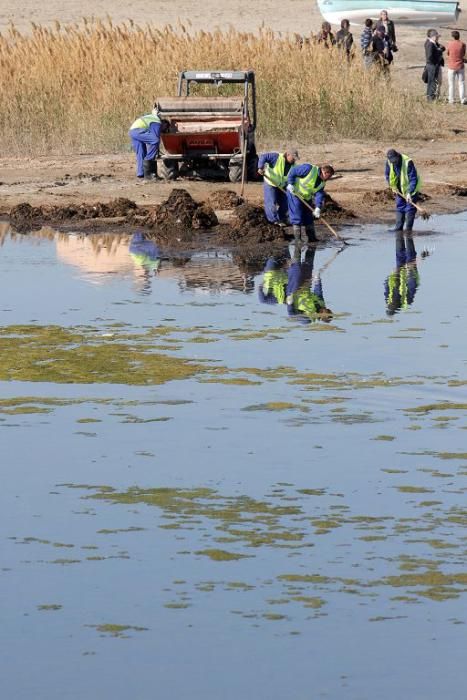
x=112, y=630
x=81, y=355
x=220, y=555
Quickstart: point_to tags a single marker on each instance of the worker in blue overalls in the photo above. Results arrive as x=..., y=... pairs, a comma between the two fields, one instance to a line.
x=145, y=137
x=401, y=285
x=275, y=167
x=305, y=183
x=403, y=179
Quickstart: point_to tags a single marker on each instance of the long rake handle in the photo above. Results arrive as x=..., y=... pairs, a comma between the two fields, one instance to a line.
x=333, y=231
x=420, y=209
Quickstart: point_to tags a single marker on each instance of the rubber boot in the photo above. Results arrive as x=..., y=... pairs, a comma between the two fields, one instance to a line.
x=310, y=235
x=296, y=233
x=149, y=168
x=400, y=218
x=409, y=219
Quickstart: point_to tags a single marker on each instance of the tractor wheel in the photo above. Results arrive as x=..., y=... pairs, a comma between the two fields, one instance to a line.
x=235, y=172
x=168, y=169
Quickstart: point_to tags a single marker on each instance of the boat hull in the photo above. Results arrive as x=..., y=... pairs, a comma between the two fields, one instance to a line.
x=415, y=12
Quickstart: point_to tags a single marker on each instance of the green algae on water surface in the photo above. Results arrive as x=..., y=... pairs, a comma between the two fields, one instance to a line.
x=49, y=606
x=113, y=630
x=220, y=555
x=80, y=355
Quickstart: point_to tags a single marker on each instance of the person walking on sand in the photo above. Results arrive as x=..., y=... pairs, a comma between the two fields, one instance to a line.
x=404, y=181
x=434, y=62
x=455, y=59
x=305, y=183
x=144, y=134
x=275, y=168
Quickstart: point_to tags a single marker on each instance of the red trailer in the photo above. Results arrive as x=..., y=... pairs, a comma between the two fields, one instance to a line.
x=209, y=136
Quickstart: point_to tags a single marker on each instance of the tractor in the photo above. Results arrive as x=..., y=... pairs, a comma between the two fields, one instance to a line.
x=209, y=137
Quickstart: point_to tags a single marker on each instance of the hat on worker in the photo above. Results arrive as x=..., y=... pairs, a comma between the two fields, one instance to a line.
x=393, y=156
x=292, y=151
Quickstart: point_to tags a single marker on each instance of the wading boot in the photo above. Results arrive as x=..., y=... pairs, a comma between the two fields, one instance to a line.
x=149, y=168
x=409, y=219
x=400, y=218
x=296, y=233
x=310, y=235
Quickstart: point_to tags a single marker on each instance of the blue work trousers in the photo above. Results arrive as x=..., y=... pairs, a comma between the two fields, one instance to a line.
x=145, y=143
x=299, y=214
x=404, y=206
x=275, y=204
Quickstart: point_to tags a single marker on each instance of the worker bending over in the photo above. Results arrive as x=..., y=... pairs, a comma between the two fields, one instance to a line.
x=275, y=168
x=404, y=181
x=305, y=183
x=145, y=137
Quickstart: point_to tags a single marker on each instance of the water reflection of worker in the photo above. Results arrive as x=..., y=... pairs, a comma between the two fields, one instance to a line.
x=146, y=255
x=401, y=285
x=272, y=290
x=304, y=290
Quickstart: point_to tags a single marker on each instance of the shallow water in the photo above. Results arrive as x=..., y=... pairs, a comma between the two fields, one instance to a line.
x=204, y=497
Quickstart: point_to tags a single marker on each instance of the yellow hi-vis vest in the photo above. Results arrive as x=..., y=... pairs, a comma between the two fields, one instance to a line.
x=404, y=178
x=305, y=187
x=276, y=176
x=275, y=281
x=144, y=122
x=307, y=301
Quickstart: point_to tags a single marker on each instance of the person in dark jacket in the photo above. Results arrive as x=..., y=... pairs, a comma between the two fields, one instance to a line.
x=344, y=38
x=326, y=37
x=388, y=27
x=434, y=62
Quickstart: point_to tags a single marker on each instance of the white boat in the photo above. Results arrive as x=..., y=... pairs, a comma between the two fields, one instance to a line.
x=419, y=12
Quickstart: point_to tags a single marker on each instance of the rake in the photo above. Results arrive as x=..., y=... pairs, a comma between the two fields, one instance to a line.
x=423, y=212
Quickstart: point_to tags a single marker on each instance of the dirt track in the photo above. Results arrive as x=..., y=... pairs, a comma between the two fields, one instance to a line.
x=359, y=186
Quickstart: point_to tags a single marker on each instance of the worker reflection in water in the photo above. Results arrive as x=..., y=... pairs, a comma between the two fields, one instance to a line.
x=305, y=183
x=146, y=255
x=272, y=290
x=404, y=181
x=304, y=292
x=275, y=167
x=145, y=137
x=401, y=285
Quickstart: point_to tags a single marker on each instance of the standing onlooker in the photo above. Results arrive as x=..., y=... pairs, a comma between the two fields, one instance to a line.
x=455, y=60
x=344, y=37
x=365, y=41
x=434, y=62
x=326, y=37
x=388, y=26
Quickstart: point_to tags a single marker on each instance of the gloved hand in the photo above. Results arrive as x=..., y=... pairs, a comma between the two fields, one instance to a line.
x=260, y=171
x=290, y=189
x=409, y=198
x=316, y=212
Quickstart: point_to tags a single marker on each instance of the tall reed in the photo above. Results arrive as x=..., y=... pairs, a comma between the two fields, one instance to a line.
x=77, y=88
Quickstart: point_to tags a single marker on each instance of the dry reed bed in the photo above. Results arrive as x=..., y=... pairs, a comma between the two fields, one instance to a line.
x=77, y=88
